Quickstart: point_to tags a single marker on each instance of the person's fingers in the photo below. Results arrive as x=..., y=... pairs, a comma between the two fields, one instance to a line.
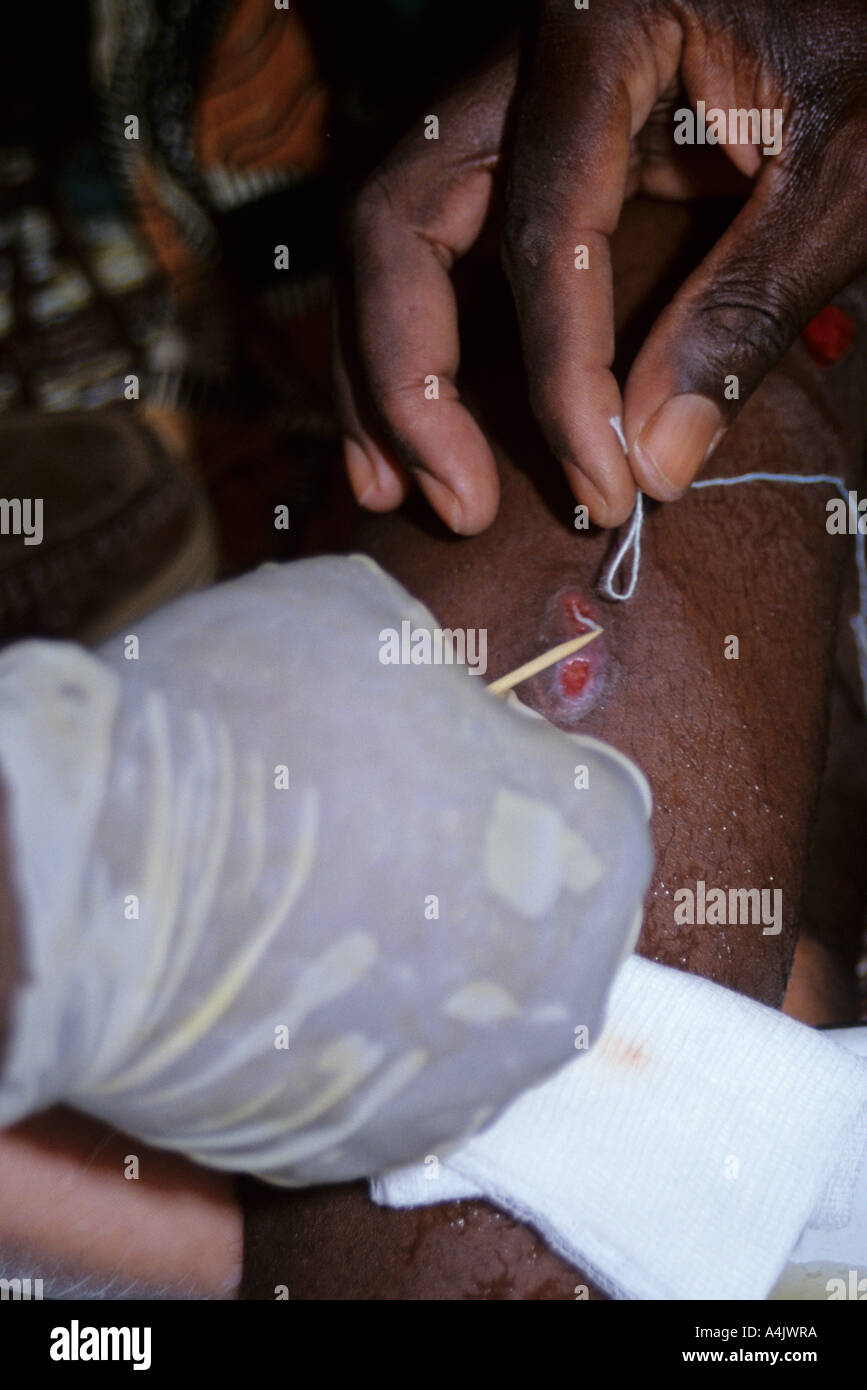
x=408, y=348
x=795, y=244
x=377, y=480
x=589, y=92
x=378, y=484
x=425, y=208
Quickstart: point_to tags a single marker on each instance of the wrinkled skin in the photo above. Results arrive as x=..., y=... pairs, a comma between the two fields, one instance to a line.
x=590, y=123
x=733, y=749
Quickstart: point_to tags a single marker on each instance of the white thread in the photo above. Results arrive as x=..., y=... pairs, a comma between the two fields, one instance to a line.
x=617, y=425
x=632, y=542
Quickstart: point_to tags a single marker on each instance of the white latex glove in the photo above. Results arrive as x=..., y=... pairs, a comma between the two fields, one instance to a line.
x=303, y=915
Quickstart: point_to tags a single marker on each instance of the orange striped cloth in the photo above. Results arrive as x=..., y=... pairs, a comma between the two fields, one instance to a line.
x=259, y=125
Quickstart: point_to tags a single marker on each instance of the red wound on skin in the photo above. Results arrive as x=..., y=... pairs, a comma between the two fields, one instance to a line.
x=566, y=693
x=574, y=675
x=829, y=335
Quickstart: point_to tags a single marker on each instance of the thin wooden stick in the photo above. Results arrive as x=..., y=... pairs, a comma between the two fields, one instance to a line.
x=541, y=663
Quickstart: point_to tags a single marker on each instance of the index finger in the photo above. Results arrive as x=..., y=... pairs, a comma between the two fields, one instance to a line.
x=593, y=82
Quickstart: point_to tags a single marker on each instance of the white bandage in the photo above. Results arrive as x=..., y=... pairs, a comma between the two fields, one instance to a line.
x=292, y=910
x=830, y=1260
x=683, y=1156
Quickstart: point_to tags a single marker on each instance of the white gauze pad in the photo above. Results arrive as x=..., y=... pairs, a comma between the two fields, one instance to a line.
x=683, y=1155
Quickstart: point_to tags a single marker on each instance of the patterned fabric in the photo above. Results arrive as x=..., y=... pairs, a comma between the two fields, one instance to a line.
x=242, y=103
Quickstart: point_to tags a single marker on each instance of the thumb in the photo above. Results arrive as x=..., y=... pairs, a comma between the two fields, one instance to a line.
x=793, y=246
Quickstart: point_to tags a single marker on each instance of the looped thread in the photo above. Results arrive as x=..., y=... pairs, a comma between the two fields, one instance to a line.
x=631, y=542
x=630, y=550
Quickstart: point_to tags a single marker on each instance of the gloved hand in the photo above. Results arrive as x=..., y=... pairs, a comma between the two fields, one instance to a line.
x=288, y=909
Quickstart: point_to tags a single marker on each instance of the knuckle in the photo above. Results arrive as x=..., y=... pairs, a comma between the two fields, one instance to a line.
x=373, y=205
x=400, y=407
x=530, y=216
x=745, y=322
x=839, y=174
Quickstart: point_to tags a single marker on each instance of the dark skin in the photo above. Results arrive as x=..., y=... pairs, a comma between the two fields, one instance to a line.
x=587, y=124
x=758, y=557
x=733, y=749
x=573, y=162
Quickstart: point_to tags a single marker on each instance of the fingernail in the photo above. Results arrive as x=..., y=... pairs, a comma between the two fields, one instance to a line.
x=675, y=443
x=362, y=474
